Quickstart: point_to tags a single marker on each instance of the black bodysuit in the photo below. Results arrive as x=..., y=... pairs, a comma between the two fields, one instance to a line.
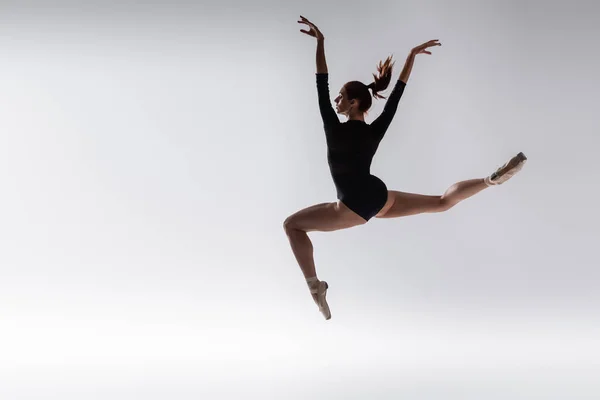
x=351, y=146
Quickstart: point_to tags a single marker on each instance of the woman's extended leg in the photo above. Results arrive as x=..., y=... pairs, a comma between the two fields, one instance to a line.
x=324, y=217
x=402, y=204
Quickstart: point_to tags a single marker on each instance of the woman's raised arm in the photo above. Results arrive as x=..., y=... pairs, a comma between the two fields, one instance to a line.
x=316, y=33
x=327, y=113
x=381, y=124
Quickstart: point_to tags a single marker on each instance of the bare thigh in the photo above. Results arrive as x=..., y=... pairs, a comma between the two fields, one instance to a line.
x=324, y=217
x=401, y=204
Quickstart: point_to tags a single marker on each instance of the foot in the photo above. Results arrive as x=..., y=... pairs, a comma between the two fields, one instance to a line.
x=507, y=171
x=319, y=293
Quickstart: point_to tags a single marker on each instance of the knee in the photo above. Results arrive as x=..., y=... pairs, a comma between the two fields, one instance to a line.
x=289, y=224
x=445, y=205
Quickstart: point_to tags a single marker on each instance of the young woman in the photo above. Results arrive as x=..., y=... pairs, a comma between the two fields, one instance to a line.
x=351, y=147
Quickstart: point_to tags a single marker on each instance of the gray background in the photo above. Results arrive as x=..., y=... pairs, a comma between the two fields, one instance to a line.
x=149, y=153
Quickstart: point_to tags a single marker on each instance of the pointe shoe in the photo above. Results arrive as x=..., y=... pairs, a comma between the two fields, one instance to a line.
x=507, y=171
x=320, y=290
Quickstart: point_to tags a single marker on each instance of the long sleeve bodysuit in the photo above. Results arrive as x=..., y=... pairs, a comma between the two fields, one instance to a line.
x=351, y=146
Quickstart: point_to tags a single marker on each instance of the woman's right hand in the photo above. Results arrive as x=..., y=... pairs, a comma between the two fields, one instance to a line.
x=314, y=31
x=422, y=49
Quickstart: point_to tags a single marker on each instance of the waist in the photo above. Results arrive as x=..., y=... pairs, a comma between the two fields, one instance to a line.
x=352, y=178
x=349, y=170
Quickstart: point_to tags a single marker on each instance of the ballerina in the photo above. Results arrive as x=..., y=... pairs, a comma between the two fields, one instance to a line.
x=351, y=146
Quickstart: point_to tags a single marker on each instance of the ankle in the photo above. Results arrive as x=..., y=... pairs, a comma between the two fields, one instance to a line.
x=312, y=282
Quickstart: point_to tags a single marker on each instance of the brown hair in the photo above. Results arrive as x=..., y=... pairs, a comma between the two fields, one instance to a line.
x=359, y=91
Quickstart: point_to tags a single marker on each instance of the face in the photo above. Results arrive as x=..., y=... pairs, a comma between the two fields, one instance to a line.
x=342, y=105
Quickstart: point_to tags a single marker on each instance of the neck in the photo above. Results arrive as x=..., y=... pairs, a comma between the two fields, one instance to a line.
x=356, y=117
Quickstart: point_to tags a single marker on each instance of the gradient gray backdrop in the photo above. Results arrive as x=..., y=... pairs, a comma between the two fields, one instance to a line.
x=149, y=154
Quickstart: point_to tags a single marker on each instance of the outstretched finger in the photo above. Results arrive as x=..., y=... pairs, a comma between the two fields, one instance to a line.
x=312, y=27
x=308, y=22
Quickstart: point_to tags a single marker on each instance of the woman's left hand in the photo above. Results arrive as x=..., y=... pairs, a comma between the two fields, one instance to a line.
x=313, y=30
